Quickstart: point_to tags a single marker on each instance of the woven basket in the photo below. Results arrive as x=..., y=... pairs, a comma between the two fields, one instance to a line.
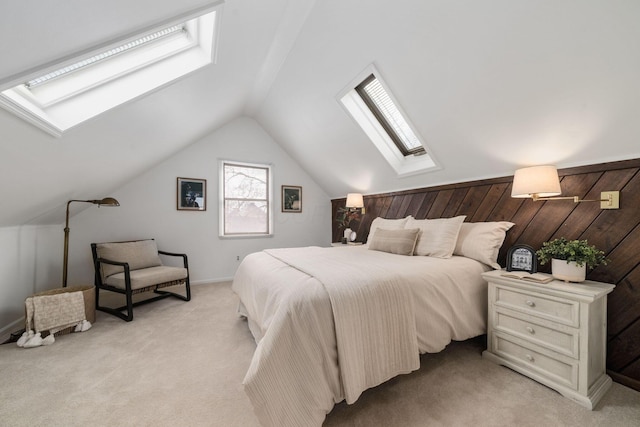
x=89, y=296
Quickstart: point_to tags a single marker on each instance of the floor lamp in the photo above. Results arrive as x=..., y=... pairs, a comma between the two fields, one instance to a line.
x=107, y=201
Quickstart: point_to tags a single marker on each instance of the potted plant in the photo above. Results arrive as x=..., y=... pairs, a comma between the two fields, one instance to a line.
x=570, y=258
x=344, y=218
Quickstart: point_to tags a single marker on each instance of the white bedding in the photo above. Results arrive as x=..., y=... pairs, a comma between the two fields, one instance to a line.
x=300, y=370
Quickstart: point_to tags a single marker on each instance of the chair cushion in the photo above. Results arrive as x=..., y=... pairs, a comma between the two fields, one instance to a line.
x=147, y=277
x=139, y=254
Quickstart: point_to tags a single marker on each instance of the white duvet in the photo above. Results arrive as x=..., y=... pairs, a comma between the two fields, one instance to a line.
x=332, y=322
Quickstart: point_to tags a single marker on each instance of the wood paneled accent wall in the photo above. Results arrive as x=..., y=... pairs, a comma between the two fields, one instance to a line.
x=616, y=232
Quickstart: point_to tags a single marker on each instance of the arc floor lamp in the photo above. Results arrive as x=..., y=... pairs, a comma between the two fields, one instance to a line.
x=107, y=201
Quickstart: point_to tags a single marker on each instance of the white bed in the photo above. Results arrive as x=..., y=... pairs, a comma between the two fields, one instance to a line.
x=332, y=322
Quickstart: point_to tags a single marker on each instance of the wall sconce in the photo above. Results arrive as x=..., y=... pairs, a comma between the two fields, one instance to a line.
x=355, y=201
x=543, y=183
x=107, y=201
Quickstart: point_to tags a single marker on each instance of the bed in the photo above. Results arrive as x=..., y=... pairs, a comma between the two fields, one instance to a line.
x=330, y=323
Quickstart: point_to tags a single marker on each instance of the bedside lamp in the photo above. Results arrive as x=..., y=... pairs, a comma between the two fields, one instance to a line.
x=107, y=201
x=543, y=183
x=355, y=201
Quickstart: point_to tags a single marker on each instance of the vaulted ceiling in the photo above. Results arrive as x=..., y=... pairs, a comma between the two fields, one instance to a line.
x=490, y=86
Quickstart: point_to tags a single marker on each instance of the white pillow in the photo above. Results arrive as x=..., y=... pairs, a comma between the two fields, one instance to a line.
x=482, y=240
x=399, y=242
x=437, y=237
x=389, y=224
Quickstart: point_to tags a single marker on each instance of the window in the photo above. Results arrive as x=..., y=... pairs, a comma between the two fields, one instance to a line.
x=386, y=112
x=374, y=109
x=245, y=208
x=62, y=95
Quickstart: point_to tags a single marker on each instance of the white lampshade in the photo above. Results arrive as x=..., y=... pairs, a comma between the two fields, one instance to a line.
x=355, y=200
x=542, y=181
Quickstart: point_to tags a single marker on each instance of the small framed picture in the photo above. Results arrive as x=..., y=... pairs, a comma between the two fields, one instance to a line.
x=291, y=198
x=192, y=194
x=522, y=258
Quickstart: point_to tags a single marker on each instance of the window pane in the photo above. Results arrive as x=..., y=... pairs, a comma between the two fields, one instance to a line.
x=387, y=113
x=391, y=114
x=245, y=217
x=245, y=182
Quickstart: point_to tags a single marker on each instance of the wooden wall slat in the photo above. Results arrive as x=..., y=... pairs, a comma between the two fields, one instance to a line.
x=611, y=226
x=428, y=201
x=617, y=232
x=633, y=371
x=472, y=200
x=506, y=208
x=489, y=202
x=624, y=303
x=624, y=348
x=621, y=263
x=440, y=204
x=416, y=202
x=455, y=202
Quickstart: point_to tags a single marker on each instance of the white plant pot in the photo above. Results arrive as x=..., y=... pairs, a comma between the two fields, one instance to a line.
x=569, y=272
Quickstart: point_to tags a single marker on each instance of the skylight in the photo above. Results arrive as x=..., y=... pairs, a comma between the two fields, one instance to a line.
x=65, y=94
x=374, y=109
x=383, y=107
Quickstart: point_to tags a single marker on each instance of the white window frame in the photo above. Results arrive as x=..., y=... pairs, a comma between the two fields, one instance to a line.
x=59, y=104
x=355, y=106
x=222, y=199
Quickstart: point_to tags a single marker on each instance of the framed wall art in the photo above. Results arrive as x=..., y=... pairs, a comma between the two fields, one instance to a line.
x=291, y=198
x=192, y=194
x=522, y=258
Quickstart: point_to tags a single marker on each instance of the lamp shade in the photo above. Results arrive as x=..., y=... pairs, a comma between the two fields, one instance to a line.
x=354, y=200
x=541, y=181
x=107, y=201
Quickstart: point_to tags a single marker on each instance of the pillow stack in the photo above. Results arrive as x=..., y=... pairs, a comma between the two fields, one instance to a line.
x=439, y=238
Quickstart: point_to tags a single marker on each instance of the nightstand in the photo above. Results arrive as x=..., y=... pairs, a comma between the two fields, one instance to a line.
x=338, y=244
x=554, y=333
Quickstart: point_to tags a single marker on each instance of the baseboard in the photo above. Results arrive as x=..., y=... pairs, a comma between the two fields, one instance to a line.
x=208, y=281
x=624, y=380
x=5, y=332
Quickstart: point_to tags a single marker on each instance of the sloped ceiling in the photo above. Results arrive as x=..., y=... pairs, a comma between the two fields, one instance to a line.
x=39, y=173
x=490, y=86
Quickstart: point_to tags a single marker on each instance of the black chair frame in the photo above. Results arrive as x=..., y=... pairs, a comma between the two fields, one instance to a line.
x=128, y=292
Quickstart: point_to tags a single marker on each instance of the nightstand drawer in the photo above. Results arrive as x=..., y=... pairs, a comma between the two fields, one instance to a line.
x=533, y=358
x=559, y=338
x=559, y=310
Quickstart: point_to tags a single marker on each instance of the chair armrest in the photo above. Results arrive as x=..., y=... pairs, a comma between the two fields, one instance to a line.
x=108, y=261
x=184, y=257
x=125, y=265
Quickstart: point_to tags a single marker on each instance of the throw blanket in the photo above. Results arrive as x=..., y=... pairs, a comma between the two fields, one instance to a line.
x=54, y=313
x=373, y=314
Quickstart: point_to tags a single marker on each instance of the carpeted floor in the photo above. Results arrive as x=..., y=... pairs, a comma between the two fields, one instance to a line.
x=182, y=364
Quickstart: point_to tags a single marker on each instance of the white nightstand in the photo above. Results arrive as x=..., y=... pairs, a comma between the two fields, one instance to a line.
x=554, y=333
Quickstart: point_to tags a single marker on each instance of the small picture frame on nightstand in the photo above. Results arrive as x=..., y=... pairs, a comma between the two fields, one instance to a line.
x=522, y=258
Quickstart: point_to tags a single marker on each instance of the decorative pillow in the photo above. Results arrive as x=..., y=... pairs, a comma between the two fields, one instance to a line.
x=482, y=240
x=389, y=224
x=437, y=237
x=400, y=242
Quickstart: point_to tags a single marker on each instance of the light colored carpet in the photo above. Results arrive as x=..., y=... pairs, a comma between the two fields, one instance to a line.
x=182, y=364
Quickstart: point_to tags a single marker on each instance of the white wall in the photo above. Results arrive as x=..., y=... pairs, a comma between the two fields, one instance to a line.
x=31, y=262
x=148, y=208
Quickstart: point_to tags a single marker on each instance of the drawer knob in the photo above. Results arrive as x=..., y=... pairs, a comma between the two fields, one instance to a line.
x=530, y=330
x=529, y=357
x=530, y=303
